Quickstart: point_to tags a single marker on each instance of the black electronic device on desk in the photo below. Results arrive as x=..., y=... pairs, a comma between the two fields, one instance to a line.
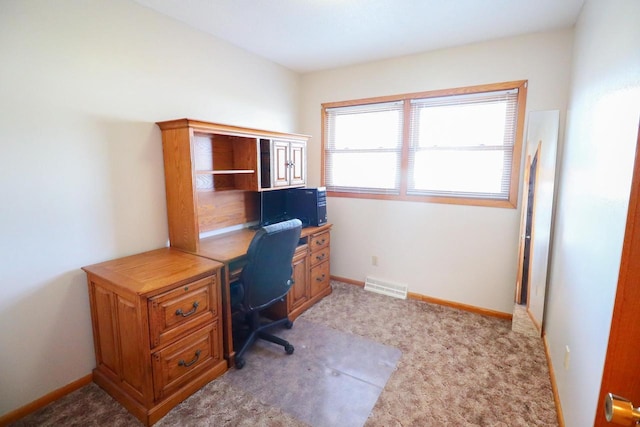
x=309, y=205
x=273, y=207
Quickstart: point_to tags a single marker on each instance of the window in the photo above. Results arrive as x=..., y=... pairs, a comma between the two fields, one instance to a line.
x=454, y=146
x=366, y=148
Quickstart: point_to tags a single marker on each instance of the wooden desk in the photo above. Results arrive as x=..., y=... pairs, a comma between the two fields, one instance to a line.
x=310, y=272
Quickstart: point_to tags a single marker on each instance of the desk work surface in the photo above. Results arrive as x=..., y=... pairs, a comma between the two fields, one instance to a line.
x=153, y=271
x=231, y=246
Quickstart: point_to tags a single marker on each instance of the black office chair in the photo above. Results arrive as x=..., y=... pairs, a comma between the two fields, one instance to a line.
x=265, y=280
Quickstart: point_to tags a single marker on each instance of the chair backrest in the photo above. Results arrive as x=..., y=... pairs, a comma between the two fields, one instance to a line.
x=267, y=275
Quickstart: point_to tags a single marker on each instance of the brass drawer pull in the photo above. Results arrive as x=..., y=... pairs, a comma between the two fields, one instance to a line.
x=319, y=257
x=187, y=364
x=320, y=242
x=188, y=313
x=320, y=279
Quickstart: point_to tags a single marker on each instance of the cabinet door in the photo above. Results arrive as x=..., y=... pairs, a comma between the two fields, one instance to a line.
x=105, y=328
x=299, y=294
x=319, y=278
x=319, y=241
x=280, y=164
x=178, y=363
x=133, y=359
x=118, y=339
x=182, y=309
x=297, y=162
x=320, y=255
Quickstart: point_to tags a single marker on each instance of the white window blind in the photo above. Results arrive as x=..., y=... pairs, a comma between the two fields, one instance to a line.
x=462, y=145
x=363, y=146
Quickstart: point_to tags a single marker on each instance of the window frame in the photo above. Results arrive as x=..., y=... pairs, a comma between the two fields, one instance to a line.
x=395, y=107
x=514, y=181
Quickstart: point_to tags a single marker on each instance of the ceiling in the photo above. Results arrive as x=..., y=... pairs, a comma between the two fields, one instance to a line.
x=311, y=35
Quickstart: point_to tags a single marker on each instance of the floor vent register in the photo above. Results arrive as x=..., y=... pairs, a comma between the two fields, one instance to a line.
x=384, y=287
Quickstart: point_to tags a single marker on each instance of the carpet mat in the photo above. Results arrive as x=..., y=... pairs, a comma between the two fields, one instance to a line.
x=332, y=378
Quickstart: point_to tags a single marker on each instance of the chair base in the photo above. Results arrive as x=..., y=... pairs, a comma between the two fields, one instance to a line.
x=257, y=330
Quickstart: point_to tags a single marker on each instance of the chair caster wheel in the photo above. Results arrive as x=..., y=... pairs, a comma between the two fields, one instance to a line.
x=240, y=362
x=289, y=349
x=288, y=324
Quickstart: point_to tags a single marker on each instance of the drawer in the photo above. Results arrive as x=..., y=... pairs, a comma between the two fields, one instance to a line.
x=320, y=255
x=319, y=241
x=185, y=359
x=182, y=309
x=319, y=278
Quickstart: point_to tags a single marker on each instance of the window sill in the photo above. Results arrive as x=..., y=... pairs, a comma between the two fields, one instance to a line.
x=494, y=203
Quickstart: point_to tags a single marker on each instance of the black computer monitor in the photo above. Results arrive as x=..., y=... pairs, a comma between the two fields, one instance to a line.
x=273, y=207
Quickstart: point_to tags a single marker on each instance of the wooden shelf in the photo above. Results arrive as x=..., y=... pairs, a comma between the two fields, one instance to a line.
x=225, y=172
x=227, y=188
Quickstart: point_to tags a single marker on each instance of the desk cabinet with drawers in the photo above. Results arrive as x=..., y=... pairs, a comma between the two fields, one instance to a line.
x=310, y=273
x=319, y=260
x=157, y=327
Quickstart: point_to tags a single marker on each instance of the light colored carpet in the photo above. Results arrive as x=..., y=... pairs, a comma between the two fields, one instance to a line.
x=522, y=323
x=456, y=369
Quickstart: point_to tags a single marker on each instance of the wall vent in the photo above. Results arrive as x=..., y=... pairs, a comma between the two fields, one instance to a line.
x=385, y=287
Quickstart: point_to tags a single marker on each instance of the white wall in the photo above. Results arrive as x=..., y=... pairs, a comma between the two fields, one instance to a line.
x=458, y=253
x=593, y=197
x=82, y=84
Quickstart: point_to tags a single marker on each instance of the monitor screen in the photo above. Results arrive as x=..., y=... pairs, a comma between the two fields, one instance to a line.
x=273, y=207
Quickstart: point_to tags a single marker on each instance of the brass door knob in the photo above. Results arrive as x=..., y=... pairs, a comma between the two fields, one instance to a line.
x=619, y=410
